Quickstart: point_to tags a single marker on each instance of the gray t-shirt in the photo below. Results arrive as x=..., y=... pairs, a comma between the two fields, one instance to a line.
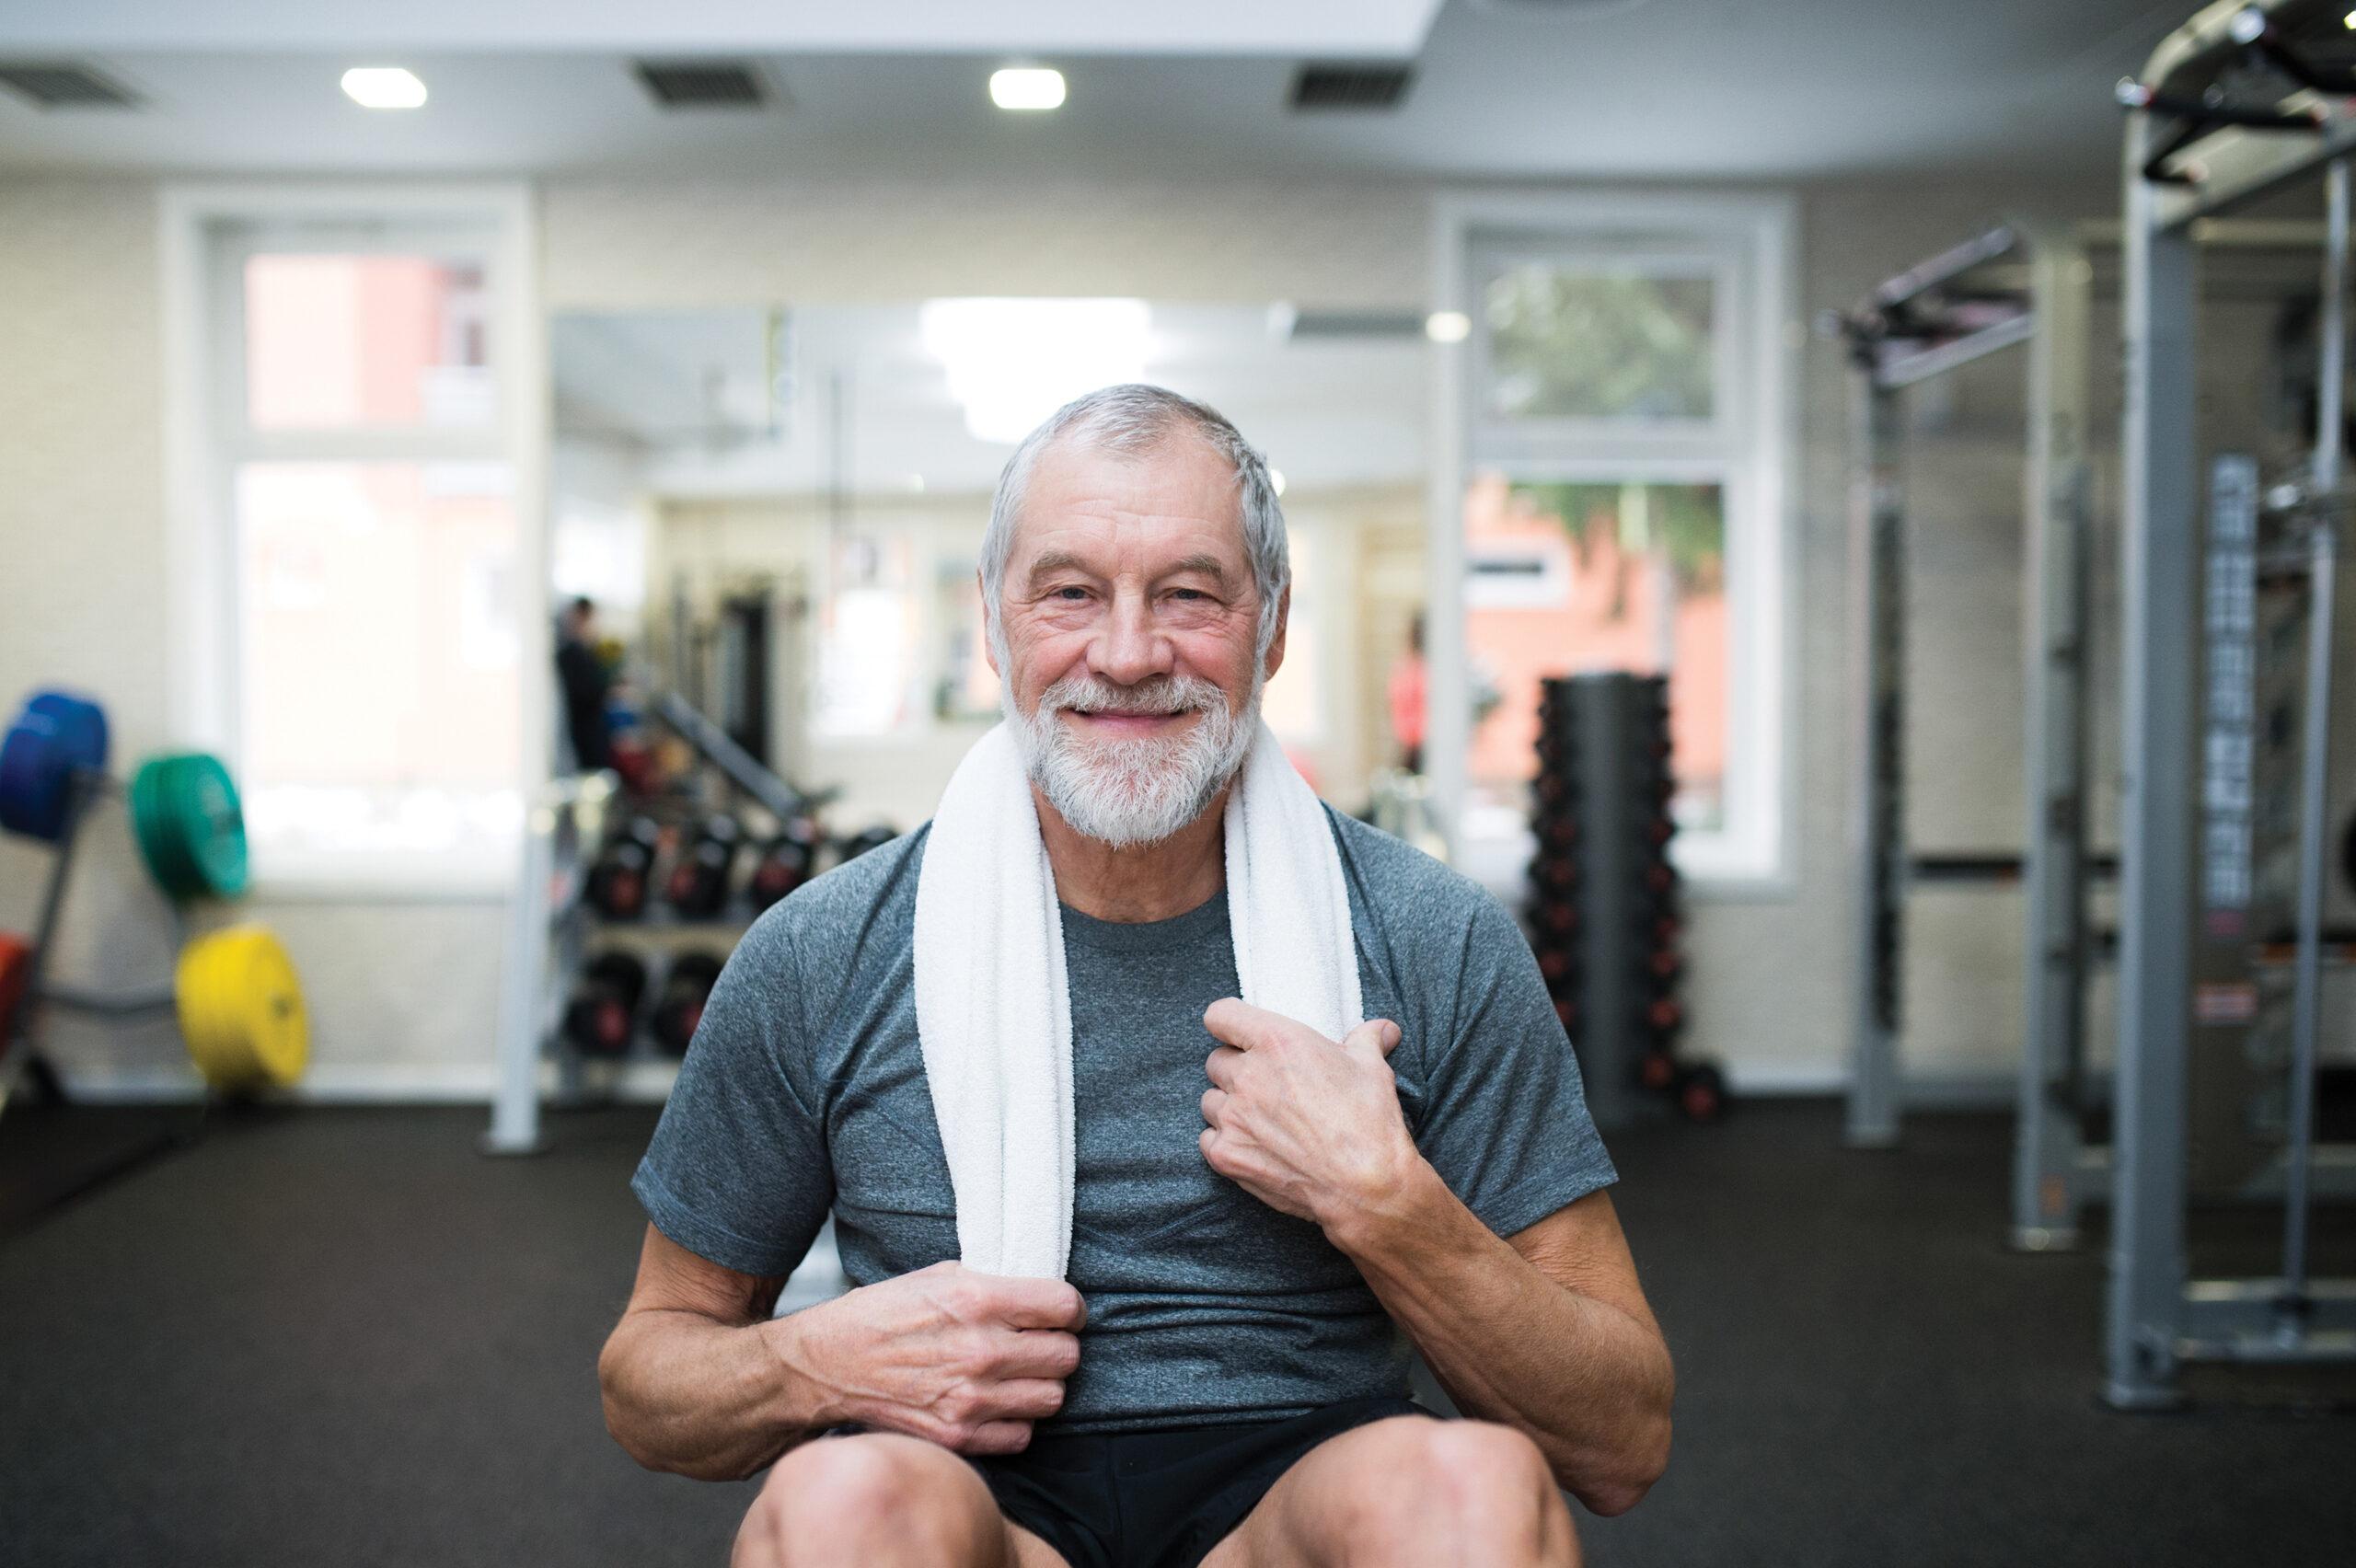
x=804, y=1092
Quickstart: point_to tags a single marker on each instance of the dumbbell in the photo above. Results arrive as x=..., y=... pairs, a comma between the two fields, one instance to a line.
x=697, y=885
x=685, y=990
x=619, y=880
x=786, y=864
x=1556, y=917
x=874, y=837
x=1554, y=874
x=1701, y=1092
x=601, y=1012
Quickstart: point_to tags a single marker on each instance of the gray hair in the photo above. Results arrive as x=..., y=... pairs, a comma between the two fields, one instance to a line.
x=1132, y=420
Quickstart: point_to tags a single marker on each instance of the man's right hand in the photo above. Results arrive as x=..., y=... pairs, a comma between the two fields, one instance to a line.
x=964, y=1359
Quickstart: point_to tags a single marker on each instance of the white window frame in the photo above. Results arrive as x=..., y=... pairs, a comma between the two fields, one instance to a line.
x=1749, y=446
x=206, y=437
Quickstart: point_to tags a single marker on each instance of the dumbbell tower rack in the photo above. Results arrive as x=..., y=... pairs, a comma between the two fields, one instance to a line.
x=1604, y=909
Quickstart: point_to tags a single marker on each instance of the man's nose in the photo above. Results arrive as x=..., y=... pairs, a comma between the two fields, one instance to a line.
x=1130, y=649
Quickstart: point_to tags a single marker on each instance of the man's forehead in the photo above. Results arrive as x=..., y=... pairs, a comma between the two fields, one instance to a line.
x=1178, y=498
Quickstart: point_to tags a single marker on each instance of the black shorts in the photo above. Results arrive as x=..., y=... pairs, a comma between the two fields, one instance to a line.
x=1159, y=1499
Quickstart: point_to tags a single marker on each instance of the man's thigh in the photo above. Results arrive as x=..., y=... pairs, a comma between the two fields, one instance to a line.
x=1385, y=1487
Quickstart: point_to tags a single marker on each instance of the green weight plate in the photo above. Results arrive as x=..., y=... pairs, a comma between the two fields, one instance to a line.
x=150, y=829
x=221, y=851
x=189, y=827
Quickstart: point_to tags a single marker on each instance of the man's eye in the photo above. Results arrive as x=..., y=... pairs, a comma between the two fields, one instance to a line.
x=1071, y=595
x=1188, y=593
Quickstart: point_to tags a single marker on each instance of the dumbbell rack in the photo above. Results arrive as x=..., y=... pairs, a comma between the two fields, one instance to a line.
x=1603, y=911
x=547, y=935
x=552, y=928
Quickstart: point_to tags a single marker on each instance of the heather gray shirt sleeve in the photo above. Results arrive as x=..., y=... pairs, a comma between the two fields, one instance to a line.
x=1486, y=1076
x=738, y=1172
x=1505, y=1119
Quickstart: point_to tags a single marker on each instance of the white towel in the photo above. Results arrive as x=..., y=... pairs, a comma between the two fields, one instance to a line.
x=994, y=1016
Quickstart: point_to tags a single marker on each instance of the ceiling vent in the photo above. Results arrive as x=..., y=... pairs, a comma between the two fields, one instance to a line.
x=61, y=84
x=1564, y=7
x=1323, y=87
x=1330, y=324
x=704, y=84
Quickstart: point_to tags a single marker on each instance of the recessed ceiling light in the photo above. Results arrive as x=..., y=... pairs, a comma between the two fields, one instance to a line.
x=1027, y=86
x=383, y=87
x=1277, y=480
x=1447, y=326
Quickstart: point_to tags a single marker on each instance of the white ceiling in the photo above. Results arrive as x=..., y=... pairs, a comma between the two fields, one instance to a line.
x=1505, y=88
x=683, y=393
x=1373, y=28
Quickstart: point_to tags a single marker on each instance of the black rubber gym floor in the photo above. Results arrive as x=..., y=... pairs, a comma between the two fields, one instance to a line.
x=343, y=1337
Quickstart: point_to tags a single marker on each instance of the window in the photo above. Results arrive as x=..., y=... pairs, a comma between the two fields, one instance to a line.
x=1620, y=414
x=355, y=483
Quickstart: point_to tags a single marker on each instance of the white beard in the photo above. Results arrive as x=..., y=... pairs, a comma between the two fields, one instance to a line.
x=1126, y=792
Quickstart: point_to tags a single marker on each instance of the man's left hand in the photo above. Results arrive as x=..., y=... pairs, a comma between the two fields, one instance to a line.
x=1304, y=1124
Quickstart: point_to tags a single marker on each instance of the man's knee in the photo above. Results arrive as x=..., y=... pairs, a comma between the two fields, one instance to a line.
x=1484, y=1485
x=877, y=1496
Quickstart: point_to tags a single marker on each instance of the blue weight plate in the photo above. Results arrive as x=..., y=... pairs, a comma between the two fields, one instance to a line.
x=56, y=734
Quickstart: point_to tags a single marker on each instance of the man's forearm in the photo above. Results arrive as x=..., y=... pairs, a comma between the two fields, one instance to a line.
x=705, y=1399
x=1588, y=1381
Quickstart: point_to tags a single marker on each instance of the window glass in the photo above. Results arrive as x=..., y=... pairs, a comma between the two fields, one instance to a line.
x=870, y=627
x=359, y=341
x=1290, y=703
x=967, y=686
x=1566, y=579
x=380, y=653
x=1596, y=341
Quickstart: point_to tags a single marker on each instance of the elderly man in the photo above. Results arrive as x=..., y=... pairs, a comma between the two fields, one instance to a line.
x=1261, y=1217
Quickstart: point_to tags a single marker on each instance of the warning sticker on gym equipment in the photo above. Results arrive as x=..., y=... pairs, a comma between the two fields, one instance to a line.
x=2224, y=1003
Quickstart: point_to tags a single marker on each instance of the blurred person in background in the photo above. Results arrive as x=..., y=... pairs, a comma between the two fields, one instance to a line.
x=1408, y=682
x=586, y=682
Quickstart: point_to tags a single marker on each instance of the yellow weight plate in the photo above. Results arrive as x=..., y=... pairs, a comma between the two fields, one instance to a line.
x=241, y=1008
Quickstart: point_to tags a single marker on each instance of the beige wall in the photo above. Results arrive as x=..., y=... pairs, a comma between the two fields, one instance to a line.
x=400, y=994
x=405, y=993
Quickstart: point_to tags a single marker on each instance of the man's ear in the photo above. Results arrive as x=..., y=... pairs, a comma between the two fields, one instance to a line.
x=1277, y=644
x=989, y=643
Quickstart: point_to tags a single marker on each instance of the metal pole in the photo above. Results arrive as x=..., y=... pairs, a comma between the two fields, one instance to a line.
x=2161, y=594
x=2332, y=370
x=1878, y=637
x=2314, y=764
x=2045, y=1184
x=515, y=1105
x=2307, y=975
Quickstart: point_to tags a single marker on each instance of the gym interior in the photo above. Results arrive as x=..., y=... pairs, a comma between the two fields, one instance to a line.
x=1828, y=512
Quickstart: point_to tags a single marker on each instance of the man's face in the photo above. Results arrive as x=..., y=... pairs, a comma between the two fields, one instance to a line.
x=1130, y=617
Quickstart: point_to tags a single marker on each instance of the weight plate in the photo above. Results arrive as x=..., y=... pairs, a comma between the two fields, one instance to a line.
x=241, y=1009
x=190, y=828
x=56, y=734
x=2348, y=853
x=16, y=972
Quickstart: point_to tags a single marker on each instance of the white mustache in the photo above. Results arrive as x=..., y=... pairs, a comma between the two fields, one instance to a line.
x=1179, y=694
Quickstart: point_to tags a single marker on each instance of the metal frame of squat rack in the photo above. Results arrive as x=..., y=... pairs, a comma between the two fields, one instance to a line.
x=2157, y=1318
x=1895, y=343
